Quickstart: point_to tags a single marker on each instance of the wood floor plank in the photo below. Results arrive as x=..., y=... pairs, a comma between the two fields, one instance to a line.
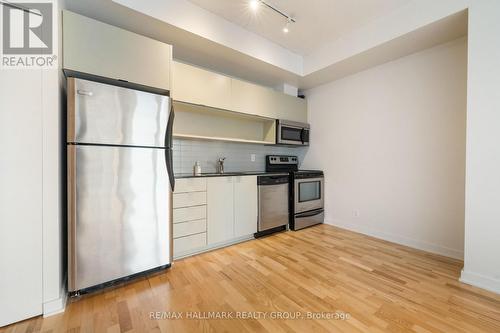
x=378, y=285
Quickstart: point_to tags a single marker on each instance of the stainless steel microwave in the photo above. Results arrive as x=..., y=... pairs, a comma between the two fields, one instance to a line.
x=292, y=133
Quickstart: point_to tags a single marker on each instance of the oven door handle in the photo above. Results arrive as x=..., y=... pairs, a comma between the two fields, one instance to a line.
x=311, y=213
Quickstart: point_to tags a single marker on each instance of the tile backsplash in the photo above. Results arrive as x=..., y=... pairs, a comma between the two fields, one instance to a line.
x=238, y=155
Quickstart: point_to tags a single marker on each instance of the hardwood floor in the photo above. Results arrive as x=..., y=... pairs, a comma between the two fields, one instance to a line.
x=379, y=286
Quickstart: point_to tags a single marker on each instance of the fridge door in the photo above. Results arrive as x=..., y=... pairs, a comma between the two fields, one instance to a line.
x=100, y=113
x=120, y=213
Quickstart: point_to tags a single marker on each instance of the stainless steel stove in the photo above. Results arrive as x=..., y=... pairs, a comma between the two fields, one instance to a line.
x=306, y=194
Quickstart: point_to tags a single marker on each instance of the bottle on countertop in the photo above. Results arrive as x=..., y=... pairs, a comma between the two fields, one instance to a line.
x=197, y=168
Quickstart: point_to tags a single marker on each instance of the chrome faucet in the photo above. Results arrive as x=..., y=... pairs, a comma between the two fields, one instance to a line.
x=220, y=165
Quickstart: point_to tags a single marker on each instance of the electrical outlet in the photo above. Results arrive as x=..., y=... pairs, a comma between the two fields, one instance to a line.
x=355, y=213
x=252, y=157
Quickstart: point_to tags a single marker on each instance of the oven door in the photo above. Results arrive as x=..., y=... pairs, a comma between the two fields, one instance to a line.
x=309, y=194
x=292, y=133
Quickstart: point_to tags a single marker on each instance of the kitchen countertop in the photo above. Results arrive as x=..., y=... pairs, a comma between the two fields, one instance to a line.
x=229, y=174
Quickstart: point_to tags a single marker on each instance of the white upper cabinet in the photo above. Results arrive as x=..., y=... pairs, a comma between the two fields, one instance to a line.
x=198, y=86
x=245, y=206
x=266, y=102
x=291, y=108
x=96, y=48
x=202, y=87
x=253, y=99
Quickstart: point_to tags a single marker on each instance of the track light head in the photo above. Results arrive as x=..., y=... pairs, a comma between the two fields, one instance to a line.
x=286, y=28
x=254, y=5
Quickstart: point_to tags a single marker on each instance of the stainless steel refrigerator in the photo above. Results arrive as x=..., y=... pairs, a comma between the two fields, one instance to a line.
x=120, y=182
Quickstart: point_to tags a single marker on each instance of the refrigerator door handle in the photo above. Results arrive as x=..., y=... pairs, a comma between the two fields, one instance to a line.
x=170, y=171
x=170, y=128
x=168, y=148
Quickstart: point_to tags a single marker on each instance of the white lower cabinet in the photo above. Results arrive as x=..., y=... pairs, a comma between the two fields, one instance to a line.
x=231, y=208
x=184, y=229
x=184, y=245
x=213, y=212
x=220, y=209
x=189, y=185
x=189, y=216
x=190, y=213
x=245, y=205
x=190, y=199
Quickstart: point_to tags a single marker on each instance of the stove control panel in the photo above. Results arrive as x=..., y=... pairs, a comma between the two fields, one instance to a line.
x=282, y=163
x=281, y=159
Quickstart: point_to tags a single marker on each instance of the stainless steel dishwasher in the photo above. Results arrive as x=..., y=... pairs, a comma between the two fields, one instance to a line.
x=273, y=203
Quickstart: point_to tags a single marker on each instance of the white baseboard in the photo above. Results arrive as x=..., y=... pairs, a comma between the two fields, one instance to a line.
x=481, y=281
x=417, y=244
x=57, y=305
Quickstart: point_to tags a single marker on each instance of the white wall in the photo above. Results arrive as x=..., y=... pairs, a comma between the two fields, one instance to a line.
x=391, y=141
x=482, y=218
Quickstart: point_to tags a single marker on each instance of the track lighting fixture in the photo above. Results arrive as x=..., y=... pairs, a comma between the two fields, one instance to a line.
x=255, y=4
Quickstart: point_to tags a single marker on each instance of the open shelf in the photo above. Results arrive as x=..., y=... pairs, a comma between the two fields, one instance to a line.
x=201, y=122
x=190, y=136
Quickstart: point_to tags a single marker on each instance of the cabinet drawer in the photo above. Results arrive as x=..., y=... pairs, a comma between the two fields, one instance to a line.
x=189, y=213
x=189, y=243
x=189, y=228
x=190, y=185
x=190, y=199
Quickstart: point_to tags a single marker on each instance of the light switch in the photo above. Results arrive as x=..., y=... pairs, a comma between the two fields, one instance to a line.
x=252, y=157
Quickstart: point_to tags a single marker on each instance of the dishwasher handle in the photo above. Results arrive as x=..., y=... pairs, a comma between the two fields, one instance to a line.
x=272, y=180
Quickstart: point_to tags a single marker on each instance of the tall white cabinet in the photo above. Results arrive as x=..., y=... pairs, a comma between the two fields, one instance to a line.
x=20, y=195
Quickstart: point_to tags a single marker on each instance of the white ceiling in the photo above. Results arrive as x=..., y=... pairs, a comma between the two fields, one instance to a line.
x=208, y=40
x=318, y=21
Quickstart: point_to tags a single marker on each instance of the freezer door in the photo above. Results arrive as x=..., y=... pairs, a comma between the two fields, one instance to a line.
x=104, y=114
x=120, y=213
